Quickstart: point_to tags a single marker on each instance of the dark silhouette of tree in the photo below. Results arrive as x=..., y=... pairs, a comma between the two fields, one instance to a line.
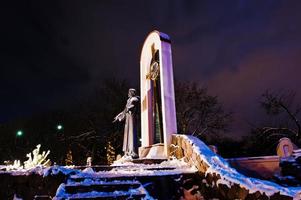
x=259, y=143
x=197, y=112
x=282, y=112
x=87, y=128
x=282, y=105
x=96, y=113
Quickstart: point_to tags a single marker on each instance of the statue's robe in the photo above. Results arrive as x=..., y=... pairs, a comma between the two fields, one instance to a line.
x=130, y=145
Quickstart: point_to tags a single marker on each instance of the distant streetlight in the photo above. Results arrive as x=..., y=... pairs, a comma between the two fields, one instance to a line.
x=59, y=127
x=19, y=133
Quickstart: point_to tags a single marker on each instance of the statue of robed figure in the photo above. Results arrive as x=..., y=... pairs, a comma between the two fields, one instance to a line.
x=130, y=146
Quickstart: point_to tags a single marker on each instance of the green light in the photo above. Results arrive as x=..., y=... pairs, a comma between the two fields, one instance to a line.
x=59, y=127
x=19, y=133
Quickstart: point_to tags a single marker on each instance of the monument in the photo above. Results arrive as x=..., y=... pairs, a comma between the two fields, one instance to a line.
x=158, y=113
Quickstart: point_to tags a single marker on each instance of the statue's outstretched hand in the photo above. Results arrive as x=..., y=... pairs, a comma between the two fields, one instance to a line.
x=119, y=117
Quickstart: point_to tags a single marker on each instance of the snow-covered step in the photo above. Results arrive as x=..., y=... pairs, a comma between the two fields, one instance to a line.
x=127, y=172
x=148, y=161
x=96, y=168
x=96, y=189
x=104, y=187
x=96, y=196
x=42, y=197
x=77, y=179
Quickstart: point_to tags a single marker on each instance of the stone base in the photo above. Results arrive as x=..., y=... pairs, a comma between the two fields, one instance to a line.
x=155, y=151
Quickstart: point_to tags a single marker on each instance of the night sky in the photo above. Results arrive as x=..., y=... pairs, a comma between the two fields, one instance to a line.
x=54, y=52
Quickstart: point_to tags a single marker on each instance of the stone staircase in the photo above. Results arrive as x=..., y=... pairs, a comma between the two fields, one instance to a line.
x=99, y=188
x=141, y=179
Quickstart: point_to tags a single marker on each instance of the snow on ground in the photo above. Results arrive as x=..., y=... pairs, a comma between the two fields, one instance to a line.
x=56, y=169
x=25, y=172
x=230, y=176
x=40, y=170
x=169, y=167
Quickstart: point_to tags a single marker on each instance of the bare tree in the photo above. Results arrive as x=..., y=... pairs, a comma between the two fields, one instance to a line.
x=197, y=112
x=282, y=105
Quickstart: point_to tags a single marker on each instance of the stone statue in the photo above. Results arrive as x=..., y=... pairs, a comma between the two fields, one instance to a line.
x=129, y=113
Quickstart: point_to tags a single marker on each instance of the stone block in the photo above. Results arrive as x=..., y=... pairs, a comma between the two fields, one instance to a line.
x=156, y=151
x=179, y=141
x=191, y=162
x=200, y=166
x=174, y=140
x=194, y=157
x=183, y=144
x=179, y=153
x=216, y=177
x=278, y=196
x=223, y=189
x=143, y=151
x=256, y=195
x=173, y=150
x=237, y=192
x=188, y=150
x=209, y=178
x=199, y=159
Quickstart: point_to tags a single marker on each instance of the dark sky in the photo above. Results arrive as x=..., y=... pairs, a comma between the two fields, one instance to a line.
x=53, y=52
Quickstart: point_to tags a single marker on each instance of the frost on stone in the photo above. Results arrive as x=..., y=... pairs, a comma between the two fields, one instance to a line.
x=35, y=159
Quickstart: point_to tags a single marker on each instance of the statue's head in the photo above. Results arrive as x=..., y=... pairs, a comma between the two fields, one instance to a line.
x=132, y=92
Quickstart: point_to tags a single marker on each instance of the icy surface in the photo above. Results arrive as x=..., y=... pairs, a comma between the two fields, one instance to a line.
x=54, y=170
x=230, y=176
x=61, y=193
x=170, y=167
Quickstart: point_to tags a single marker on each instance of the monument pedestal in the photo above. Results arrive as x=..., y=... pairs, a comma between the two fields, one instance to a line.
x=155, y=151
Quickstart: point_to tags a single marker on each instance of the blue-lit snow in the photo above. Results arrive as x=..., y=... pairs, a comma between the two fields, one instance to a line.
x=61, y=193
x=230, y=176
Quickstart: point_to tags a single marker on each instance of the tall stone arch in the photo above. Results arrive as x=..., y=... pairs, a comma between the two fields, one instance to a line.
x=158, y=113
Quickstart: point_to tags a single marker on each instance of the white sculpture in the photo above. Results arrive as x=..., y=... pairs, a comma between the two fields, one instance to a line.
x=16, y=166
x=34, y=159
x=37, y=159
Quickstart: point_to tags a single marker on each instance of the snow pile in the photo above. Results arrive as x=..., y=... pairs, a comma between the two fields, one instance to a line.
x=124, y=160
x=230, y=176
